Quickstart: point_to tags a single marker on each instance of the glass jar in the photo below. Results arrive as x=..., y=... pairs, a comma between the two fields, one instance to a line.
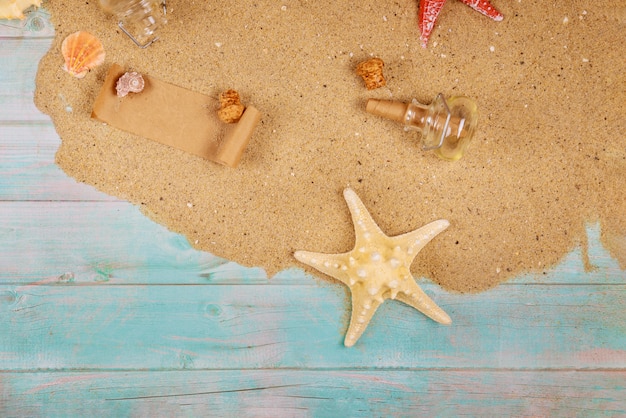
x=139, y=19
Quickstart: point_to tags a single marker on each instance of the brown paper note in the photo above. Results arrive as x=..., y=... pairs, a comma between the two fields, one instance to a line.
x=175, y=116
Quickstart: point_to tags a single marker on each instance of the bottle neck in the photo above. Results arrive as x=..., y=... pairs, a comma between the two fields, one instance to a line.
x=446, y=126
x=416, y=117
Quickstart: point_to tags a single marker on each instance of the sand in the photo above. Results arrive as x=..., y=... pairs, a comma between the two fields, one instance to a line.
x=549, y=156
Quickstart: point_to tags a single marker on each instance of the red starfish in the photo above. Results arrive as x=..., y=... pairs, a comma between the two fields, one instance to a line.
x=429, y=10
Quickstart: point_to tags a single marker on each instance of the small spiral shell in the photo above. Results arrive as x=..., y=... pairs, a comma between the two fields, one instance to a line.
x=131, y=82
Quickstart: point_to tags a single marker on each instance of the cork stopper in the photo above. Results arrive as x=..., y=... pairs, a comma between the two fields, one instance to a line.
x=372, y=73
x=387, y=108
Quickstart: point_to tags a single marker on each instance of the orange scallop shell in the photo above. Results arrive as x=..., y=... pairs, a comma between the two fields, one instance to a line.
x=82, y=51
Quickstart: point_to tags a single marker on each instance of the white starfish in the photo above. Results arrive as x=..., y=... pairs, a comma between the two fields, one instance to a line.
x=378, y=268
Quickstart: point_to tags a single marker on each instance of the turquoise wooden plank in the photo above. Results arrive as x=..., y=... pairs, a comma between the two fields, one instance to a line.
x=27, y=168
x=332, y=393
x=102, y=241
x=36, y=25
x=166, y=327
x=604, y=268
x=19, y=58
x=113, y=241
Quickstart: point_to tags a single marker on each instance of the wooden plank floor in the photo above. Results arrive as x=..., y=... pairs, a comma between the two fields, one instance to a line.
x=103, y=312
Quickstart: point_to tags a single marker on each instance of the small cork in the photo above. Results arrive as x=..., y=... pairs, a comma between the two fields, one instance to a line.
x=231, y=109
x=372, y=73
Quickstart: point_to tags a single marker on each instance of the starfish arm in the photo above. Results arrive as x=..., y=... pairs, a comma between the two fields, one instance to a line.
x=364, y=225
x=364, y=307
x=414, y=241
x=414, y=296
x=428, y=12
x=485, y=7
x=334, y=265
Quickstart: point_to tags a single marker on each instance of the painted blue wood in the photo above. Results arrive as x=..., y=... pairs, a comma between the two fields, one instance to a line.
x=18, y=65
x=27, y=168
x=22, y=44
x=45, y=240
x=293, y=393
x=571, y=269
x=102, y=241
x=71, y=326
x=37, y=24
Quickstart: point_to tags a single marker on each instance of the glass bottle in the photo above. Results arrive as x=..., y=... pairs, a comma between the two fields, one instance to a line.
x=139, y=19
x=446, y=126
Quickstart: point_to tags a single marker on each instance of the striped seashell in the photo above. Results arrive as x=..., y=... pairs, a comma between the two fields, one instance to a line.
x=82, y=51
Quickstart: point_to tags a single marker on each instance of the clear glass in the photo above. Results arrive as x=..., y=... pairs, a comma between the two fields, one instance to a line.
x=139, y=19
x=447, y=126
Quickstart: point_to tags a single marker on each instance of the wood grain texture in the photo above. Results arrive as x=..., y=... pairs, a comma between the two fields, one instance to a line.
x=19, y=58
x=27, y=168
x=37, y=24
x=104, y=312
x=280, y=326
x=45, y=239
x=296, y=393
